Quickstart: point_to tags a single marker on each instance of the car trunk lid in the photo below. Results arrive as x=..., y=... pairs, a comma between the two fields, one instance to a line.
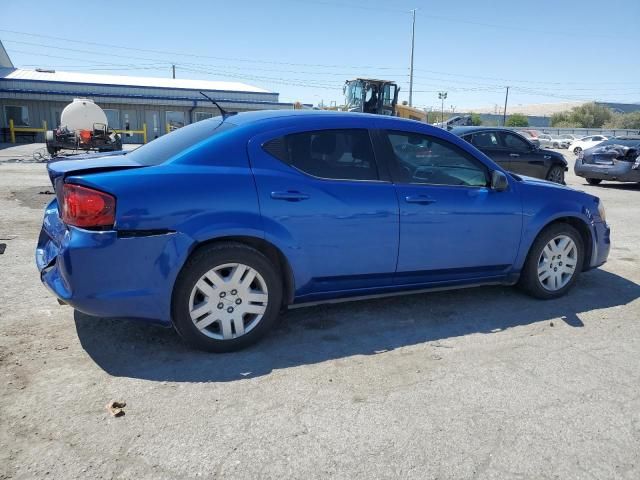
x=61, y=168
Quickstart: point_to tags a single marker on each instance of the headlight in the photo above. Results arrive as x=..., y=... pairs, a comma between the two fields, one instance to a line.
x=601, y=211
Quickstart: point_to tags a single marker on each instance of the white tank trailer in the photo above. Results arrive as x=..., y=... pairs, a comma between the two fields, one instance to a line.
x=83, y=126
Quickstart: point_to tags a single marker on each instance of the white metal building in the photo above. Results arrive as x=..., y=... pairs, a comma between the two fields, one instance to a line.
x=29, y=97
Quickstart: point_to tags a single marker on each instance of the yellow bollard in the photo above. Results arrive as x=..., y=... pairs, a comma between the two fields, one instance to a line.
x=144, y=133
x=12, y=131
x=44, y=130
x=168, y=128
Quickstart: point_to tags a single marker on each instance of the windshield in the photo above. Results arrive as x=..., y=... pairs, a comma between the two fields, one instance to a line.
x=164, y=148
x=353, y=96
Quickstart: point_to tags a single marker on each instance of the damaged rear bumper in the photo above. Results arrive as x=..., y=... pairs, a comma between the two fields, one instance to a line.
x=103, y=274
x=619, y=170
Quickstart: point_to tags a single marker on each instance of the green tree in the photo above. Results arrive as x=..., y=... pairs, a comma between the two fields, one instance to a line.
x=589, y=115
x=517, y=120
x=630, y=121
x=475, y=119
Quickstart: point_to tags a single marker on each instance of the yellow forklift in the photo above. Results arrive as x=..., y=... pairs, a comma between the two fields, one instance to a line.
x=369, y=95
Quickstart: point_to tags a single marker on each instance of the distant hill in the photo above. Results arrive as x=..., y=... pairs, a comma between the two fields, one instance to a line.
x=535, y=109
x=548, y=109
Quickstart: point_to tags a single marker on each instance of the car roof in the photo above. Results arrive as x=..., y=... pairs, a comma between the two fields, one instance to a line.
x=258, y=115
x=465, y=130
x=246, y=119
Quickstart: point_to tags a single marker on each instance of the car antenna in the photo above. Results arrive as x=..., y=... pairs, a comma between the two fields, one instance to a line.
x=223, y=112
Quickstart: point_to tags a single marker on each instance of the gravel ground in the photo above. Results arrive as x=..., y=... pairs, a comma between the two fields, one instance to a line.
x=479, y=383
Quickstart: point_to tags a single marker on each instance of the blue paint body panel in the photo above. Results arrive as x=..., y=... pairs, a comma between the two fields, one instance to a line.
x=344, y=238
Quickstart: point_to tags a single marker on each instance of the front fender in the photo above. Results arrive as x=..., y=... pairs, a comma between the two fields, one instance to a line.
x=534, y=223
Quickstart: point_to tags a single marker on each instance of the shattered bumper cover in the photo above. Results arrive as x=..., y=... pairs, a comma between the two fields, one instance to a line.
x=620, y=170
x=103, y=274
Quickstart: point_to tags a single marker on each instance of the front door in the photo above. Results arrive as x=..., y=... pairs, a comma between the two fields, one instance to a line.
x=489, y=143
x=525, y=159
x=326, y=204
x=129, y=121
x=452, y=225
x=152, y=119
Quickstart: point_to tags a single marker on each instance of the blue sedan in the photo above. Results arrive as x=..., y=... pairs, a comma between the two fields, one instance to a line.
x=217, y=227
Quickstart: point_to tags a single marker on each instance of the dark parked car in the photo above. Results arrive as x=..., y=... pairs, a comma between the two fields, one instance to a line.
x=219, y=226
x=615, y=159
x=515, y=153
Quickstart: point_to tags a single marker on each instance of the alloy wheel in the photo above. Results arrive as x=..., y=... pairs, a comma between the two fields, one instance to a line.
x=557, y=263
x=556, y=175
x=228, y=301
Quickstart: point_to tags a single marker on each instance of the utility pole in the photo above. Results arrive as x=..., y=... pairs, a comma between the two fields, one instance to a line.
x=173, y=70
x=442, y=96
x=413, y=36
x=504, y=114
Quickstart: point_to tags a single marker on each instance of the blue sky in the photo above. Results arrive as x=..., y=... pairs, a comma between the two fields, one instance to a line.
x=546, y=51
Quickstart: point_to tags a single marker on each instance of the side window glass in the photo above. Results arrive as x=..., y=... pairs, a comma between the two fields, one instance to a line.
x=485, y=140
x=428, y=160
x=514, y=142
x=331, y=154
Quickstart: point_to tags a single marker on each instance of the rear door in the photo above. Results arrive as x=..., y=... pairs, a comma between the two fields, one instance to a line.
x=327, y=204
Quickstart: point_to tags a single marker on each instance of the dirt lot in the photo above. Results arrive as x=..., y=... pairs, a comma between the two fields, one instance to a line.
x=481, y=383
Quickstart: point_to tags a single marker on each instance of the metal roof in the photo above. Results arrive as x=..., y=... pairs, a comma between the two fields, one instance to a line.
x=121, y=80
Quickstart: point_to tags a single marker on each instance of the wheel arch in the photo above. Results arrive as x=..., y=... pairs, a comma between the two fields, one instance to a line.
x=583, y=229
x=268, y=249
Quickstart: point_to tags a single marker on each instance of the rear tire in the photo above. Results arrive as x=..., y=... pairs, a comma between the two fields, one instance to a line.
x=226, y=297
x=577, y=150
x=556, y=174
x=594, y=181
x=546, y=271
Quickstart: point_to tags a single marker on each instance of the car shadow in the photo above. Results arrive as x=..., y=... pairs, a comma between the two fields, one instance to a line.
x=127, y=348
x=618, y=186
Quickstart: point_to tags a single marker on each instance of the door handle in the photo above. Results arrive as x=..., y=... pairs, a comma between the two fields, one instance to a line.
x=514, y=155
x=422, y=199
x=290, y=196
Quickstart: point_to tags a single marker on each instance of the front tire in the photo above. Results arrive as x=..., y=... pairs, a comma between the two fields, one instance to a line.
x=577, y=150
x=554, y=262
x=594, y=181
x=226, y=298
x=556, y=174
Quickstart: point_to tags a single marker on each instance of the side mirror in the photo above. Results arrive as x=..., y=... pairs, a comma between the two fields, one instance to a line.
x=499, y=181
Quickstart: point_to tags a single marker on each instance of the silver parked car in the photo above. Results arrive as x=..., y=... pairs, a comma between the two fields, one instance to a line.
x=550, y=141
x=615, y=159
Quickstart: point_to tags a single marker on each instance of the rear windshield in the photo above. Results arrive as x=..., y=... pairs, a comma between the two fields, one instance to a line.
x=166, y=147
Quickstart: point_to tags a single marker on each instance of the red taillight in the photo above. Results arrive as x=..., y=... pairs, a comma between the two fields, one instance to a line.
x=87, y=208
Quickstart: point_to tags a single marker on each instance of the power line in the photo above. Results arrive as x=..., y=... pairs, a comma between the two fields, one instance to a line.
x=184, y=54
x=448, y=82
x=177, y=54
x=528, y=87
